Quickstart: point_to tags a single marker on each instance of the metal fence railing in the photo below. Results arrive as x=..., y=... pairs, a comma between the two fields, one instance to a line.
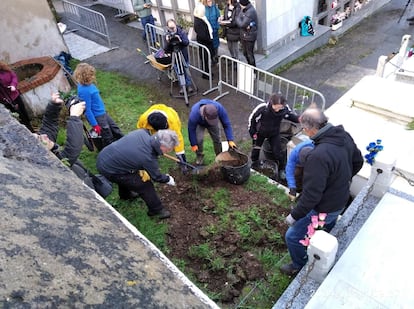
x=87, y=19
x=260, y=84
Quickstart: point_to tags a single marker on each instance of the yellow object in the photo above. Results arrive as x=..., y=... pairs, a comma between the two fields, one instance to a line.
x=173, y=120
x=144, y=175
x=232, y=144
x=157, y=65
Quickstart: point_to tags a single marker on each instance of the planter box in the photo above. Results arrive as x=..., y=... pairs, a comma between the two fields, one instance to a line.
x=336, y=26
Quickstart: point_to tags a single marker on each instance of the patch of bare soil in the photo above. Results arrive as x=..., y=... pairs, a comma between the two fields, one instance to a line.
x=219, y=229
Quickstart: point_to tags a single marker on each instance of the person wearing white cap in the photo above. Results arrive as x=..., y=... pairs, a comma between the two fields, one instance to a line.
x=206, y=114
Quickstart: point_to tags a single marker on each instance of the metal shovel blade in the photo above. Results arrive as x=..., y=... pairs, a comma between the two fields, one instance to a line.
x=195, y=169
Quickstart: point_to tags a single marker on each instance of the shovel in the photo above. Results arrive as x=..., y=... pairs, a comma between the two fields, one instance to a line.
x=195, y=169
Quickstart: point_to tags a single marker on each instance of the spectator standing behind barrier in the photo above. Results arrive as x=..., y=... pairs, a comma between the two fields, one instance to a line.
x=294, y=167
x=264, y=122
x=96, y=114
x=204, y=33
x=213, y=15
x=248, y=23
x=132, y=163
x=206, y=114
x=143, y=9
x=161, y=117
x=10, y=96
x=328, y=172
x=176, y=37
x=74, y=137
x=230, y=28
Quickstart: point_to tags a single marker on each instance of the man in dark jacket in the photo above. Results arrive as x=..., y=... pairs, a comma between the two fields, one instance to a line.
x=206, y=114
x=328, y=172
x=247, y=22
x=131, y=162
x=264, y=122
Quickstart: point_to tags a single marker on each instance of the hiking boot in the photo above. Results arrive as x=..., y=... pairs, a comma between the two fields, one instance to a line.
x=200, y=159
x=257, y=165
x=289, y=269
x=162, y=214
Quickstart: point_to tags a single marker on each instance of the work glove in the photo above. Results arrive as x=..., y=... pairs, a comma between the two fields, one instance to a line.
x=183, y=159
x=171, y=181
x=144, y=175
x=97, y=128
x=194, y=148
x=232, y=144
x=292, y=194
x=289, y=220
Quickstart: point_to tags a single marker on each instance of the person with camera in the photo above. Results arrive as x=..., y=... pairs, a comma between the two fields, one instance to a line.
x=160, y=117
x=69, y=155
x=95, y=112
x=132, y=163
x=176, y=40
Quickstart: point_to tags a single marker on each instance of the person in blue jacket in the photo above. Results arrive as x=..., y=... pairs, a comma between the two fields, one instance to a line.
x=294, y=167
x=206, y=114
x=95, y=112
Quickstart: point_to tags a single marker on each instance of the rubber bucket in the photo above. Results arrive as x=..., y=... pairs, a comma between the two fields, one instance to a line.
x=234, y=165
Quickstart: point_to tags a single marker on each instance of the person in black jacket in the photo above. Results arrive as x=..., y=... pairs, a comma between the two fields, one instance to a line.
x=328, y=171
x=264, y=122
x=230, y=28
x=69, y=154
x=248, y=23
x=204, y=33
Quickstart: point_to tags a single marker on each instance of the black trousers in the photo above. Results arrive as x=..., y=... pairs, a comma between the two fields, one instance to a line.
x=248, y=51
x=17, y=106
x=133, y=182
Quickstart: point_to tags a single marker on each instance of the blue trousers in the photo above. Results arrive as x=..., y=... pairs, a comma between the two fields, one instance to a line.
x=298, y=231
x=144, y=21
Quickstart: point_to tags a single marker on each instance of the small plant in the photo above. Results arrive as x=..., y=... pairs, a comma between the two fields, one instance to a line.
x=202, y=251
x=373, y=148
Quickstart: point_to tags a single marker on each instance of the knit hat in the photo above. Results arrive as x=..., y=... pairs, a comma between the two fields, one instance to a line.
x=244, y=2
x=210, y=114
x=303, y=154
x=158, y=121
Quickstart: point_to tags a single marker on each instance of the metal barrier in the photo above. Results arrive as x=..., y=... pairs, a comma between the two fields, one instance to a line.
x=260, y=84
x=197, y=53
x=87, y=18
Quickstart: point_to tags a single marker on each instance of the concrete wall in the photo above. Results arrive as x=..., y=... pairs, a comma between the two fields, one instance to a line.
x=28, y=29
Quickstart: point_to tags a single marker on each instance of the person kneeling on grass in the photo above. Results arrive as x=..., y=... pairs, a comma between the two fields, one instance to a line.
x=131, y=162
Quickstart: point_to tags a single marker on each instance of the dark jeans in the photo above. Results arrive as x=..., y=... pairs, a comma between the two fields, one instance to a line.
x=133, y=182
x=144, y=21
x=274, y=142
x=110, y=130
x=248, y=51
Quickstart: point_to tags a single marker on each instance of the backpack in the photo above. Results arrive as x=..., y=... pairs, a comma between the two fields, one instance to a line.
x=306, y=27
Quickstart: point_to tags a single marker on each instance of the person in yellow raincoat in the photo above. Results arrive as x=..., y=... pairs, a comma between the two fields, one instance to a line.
x=159, y=117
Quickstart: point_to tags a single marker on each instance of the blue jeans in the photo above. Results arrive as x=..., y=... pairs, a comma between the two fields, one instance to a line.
x=147, y=20
x=298, y=231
